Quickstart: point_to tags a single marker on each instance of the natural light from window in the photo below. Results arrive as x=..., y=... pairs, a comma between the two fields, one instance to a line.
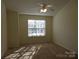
x=36, y=28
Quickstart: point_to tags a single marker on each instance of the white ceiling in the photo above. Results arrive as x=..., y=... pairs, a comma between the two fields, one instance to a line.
x=32, y=6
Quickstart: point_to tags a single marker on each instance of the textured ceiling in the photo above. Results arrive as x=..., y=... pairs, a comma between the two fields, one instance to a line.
x=32, y=6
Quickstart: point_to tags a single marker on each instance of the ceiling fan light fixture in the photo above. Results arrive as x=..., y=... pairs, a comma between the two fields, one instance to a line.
x=43, y=10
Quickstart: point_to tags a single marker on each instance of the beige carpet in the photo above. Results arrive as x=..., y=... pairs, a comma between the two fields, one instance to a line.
x=41, y=51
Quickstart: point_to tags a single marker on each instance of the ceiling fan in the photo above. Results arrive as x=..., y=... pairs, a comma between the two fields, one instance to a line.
x=45, y=7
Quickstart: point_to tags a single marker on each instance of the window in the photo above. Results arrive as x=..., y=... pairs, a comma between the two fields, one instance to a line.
x=36, y=27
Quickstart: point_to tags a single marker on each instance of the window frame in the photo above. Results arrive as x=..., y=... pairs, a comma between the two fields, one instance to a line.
x=39, y=28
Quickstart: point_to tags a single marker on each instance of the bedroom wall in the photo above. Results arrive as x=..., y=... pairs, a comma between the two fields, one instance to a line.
x=18, y=31
x=65, y=26
x=3, y=29
x=23, y=29
x=12, y=29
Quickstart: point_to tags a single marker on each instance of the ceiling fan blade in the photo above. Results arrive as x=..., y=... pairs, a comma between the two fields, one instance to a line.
x=41, y=5
x=49, y=5
x=51, y=9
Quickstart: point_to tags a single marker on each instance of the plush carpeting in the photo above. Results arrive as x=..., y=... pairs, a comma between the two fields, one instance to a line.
x=41, y=51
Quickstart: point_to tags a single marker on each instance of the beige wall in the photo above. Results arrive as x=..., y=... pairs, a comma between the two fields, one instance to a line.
x=23, y=29
x=12, y=29
x=3, y=29
x=18, y=30
x=65, y=26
